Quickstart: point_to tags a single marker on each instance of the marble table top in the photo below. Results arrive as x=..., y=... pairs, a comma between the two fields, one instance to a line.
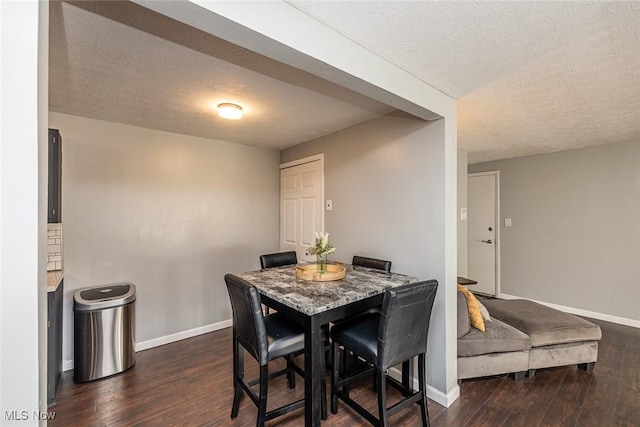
x=282, y=285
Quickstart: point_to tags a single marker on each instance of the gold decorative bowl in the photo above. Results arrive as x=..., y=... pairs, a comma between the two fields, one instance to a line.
x=310, y=272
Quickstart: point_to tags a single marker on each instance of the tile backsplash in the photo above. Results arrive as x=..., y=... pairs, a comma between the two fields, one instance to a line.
x=54, y=247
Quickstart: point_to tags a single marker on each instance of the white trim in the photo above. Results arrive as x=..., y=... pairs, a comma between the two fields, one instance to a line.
x=498, y=227
x=304, y=160
x=432, y=393
x=156, y=342
x=67, y=365
x=498, y=224
x=487, y=173
x=581, y=312
x=439, y=397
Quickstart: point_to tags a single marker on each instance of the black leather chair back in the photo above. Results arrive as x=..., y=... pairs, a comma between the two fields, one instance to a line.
x=248, y=321
x=379, y=264
x=404, y=322
x=278, y=259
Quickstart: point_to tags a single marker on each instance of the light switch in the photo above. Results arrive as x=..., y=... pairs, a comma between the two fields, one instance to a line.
x=507, y=222
x=463, y=214
x=329, y=205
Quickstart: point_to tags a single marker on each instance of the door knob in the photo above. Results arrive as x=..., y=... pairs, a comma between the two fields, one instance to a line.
x=487, y=241
x=490, y=228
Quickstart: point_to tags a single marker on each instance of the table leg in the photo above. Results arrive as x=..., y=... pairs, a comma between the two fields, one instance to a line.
x=313, y=371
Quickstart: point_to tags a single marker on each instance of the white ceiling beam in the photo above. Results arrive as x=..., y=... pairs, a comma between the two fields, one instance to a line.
x=280, y=31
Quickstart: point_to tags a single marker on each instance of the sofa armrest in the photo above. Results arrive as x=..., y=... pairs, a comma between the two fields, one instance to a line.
x=464, y=324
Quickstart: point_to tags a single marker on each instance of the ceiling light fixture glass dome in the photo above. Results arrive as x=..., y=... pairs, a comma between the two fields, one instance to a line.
x=229, y=111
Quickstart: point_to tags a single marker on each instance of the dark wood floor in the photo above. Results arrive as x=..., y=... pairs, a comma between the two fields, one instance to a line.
x=188, y=383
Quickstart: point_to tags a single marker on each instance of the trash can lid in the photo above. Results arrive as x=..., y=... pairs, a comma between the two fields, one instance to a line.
x=101, y=297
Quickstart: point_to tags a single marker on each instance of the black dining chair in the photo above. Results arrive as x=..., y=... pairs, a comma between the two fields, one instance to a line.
x=278, y=259
x=397, y=334
x=379, y=264
x=265, y=338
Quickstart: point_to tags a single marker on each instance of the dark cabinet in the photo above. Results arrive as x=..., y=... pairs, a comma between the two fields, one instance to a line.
x=55, y=176
x=54, y=341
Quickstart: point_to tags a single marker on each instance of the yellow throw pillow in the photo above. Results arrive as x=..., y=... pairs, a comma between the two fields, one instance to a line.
x=475, y=315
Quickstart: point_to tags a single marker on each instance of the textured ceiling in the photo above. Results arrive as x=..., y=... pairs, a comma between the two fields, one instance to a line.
x=121, y=62
x=530, y=77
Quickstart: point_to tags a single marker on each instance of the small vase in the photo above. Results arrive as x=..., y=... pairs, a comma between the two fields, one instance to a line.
x=321, y=261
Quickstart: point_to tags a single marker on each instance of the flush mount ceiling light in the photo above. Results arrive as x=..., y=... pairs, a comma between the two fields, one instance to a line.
x=229, y=111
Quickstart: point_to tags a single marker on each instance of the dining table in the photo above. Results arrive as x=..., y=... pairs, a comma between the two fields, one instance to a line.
x=317, y=303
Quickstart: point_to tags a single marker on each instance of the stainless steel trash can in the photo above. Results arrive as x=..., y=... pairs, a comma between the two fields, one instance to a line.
x=103, y=320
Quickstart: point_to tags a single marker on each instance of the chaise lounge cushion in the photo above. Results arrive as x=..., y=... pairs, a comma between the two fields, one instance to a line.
x=544, y=325
x=498, y=337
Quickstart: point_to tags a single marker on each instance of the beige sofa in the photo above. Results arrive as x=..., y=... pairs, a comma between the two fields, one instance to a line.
x=523, y=336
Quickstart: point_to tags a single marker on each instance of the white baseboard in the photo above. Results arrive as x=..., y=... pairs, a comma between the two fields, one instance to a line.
x=67, y=365
x=157, y=342
x=445, y=400
x=581, y=312
x=432, y=393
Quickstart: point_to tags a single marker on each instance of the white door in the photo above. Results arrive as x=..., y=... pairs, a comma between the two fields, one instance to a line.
x=301, y=206
x=483, y=234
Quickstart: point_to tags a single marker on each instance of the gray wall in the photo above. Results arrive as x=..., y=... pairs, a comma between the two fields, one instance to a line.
x=386, y=180
x=170, y=213
x=575, y=239
x=463, y=265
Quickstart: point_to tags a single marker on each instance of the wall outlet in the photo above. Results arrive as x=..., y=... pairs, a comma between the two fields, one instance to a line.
x=463, y=214
x=507, y=222
x=329, y=205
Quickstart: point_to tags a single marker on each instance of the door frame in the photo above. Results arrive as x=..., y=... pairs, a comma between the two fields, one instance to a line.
x=496, y=174
x=299, y=162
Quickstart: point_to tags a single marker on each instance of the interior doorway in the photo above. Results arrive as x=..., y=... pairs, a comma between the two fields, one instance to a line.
x=484, y=231
x=301, y=204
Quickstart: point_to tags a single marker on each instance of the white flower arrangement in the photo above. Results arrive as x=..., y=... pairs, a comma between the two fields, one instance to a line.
x=322, y=246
